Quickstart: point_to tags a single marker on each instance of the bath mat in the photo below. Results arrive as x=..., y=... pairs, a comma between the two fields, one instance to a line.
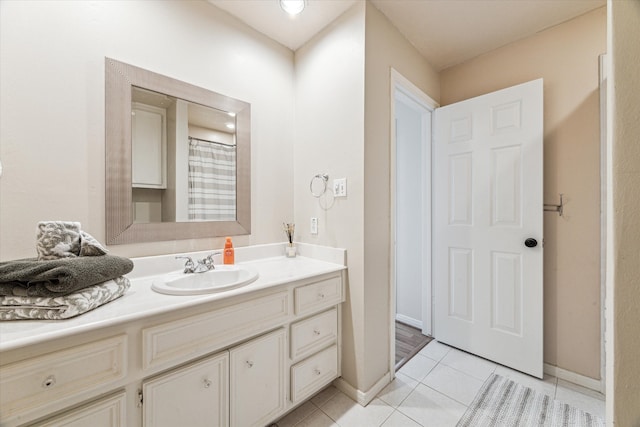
x=502, y=402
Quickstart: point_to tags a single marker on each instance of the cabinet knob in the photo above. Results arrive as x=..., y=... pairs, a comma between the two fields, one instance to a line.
x=316, y=332
x=207, y=383
x=250, y=363
x=317, y=371
x=49, y=382
x=320, y=295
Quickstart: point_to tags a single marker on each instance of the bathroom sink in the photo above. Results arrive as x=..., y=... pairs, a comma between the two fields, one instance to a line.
x=222, y=278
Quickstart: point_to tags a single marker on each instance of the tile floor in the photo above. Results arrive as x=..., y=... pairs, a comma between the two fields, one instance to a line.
x=432, y=389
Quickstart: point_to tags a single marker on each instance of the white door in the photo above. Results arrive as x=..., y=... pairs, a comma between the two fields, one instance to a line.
x=487, y=226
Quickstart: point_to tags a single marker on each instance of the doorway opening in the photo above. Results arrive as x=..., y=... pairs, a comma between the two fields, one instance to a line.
x=409, y=342
x=411, y=112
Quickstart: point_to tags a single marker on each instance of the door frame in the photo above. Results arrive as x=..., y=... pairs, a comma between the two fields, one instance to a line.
x=400, y=84
x=602, y=77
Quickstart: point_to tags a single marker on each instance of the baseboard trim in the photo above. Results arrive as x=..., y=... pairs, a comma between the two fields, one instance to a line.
x=365, y=397
x=409, y=321
x=575, y=378
x=362, y=397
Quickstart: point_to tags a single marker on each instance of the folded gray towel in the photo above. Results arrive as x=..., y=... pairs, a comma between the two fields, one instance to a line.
x=52, y=278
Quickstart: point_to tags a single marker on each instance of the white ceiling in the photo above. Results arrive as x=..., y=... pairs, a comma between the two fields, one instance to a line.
x=446, y=32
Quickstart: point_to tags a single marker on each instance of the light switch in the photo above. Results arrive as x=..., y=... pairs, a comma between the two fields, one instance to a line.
x=340, y=187
x=314, y=225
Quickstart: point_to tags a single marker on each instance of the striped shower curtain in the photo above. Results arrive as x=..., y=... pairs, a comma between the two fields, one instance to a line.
x=212, y=181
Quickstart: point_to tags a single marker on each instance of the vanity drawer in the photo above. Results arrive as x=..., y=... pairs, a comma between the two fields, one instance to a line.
x=109, y=411
x=31, y=383
x=312, y=374
x=318, y=295
x=185, y=339
x=313, y=334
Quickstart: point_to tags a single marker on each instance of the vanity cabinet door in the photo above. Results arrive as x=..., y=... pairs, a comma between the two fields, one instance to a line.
x=258, y=375
x=196, y=395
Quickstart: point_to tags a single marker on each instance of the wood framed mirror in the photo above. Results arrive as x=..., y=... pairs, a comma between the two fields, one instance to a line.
x=158, y=204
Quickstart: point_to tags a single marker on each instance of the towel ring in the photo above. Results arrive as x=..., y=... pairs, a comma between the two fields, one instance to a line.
x=324, y=178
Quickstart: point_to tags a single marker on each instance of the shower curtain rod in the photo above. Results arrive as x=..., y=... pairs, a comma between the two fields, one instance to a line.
x=211, y=142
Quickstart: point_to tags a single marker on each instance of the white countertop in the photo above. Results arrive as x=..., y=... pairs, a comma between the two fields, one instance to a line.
x=141, y=301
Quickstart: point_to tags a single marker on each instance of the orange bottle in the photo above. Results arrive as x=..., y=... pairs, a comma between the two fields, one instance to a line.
x=228, y=253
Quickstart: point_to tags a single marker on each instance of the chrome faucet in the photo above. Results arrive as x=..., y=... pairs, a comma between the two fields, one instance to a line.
x=204, y=264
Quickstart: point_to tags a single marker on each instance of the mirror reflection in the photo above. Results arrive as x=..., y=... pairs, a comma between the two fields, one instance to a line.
x=183, y=160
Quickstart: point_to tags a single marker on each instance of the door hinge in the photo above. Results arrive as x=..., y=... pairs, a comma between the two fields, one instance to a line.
x=140, y=399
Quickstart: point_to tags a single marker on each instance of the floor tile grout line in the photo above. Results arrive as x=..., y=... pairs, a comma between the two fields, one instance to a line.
x=414, y=420
x=447, y=396
x=405, y=398
x=389, y=416
x=437, y=391
x=437, y=360
x=317, y=408
x=457, y=370
x=306, y=416
x=416, y=379
x=431, y=358
x=330, y=417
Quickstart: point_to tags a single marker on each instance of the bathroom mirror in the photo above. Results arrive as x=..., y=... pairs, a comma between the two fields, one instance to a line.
x=159, y=134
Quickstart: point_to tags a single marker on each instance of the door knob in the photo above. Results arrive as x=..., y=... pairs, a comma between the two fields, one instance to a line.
x=531, y=243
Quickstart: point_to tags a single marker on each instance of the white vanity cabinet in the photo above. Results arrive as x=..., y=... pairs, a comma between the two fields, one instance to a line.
x=257, y=389
x=240, y=361
x=246, y=382
x=196, y=395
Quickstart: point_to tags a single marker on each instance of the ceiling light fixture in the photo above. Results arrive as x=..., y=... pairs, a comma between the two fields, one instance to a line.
x=293, y=7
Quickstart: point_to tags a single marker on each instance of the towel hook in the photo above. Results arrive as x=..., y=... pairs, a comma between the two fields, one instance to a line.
x=555, y=208
x=324, y=178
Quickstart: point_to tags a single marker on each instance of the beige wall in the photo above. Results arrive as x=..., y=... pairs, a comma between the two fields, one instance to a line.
x=566, y=57
x=52, y=107
x=329, y=138
x=385, y=48
x=623, y=266
x=342, y=128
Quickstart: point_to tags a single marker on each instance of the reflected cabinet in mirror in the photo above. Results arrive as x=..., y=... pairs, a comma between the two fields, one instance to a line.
x=177, y=159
